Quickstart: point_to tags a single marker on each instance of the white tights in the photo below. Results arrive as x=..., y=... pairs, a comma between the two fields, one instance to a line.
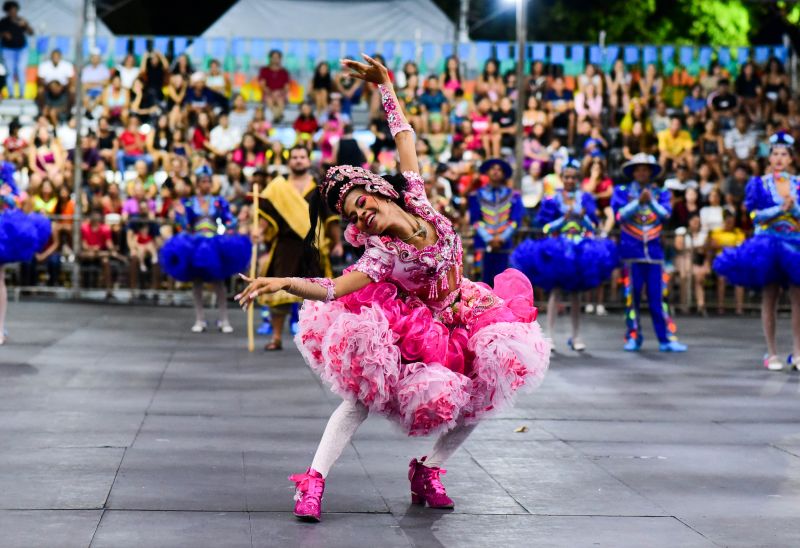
x=348, y=417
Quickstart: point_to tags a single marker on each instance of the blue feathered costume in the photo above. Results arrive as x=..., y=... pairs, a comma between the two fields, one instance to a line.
x=22, y=235
x=772, y=255
x=204, y=251
x=569, y=258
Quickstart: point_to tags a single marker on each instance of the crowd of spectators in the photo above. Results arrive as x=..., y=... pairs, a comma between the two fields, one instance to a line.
x=151, y=122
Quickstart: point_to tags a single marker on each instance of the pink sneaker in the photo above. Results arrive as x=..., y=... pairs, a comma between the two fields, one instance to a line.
x=426, y=485
x=308, y=495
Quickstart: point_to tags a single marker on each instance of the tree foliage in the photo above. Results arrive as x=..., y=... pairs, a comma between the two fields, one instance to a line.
x=714, y=22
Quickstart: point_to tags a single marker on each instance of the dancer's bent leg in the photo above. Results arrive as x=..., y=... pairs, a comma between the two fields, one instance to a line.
x=341, y=427
x=310, y=485
x=424, y=474
x=447, y=444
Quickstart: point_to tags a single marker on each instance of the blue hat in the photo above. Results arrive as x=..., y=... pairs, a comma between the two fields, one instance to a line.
x=641, y=159
x=491, y=162
x=203, y=171
x=781, y=139
x=570, y=163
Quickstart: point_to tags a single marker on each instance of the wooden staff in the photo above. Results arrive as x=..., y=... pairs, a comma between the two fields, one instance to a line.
x=254, y=230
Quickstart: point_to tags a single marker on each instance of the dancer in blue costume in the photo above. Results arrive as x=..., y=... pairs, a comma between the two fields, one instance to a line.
x=21, y=234
x=642, y=208
x=205, y=251
x=495, y=212
x=570, y=258
x=771, y=258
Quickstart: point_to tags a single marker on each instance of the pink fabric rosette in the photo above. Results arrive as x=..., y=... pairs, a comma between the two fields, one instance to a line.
x=431, y=398
x=361, y=359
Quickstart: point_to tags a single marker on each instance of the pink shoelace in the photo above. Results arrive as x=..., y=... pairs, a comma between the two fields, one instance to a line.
x=307, y=484
x=434, y=481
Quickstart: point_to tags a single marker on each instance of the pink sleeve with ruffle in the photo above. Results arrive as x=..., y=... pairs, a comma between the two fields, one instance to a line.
x=415, y=184
x=377, y=262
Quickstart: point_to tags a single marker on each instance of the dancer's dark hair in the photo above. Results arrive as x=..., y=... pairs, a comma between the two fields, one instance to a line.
x=311, y=256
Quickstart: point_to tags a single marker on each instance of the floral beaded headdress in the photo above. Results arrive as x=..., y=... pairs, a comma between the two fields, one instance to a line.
x=352, y=176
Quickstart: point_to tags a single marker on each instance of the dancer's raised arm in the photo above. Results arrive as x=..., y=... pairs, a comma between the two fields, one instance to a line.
x=402, y=132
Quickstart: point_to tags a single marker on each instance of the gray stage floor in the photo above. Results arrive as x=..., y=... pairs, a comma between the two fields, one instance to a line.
x=119, y=428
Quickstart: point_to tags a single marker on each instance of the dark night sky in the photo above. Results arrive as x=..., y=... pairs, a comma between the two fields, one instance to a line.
x=186, y=17
x=192, y=17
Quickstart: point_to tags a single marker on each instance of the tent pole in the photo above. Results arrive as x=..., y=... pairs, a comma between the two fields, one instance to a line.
x=77, y=173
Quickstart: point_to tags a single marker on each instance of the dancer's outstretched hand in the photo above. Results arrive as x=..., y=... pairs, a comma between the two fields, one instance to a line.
x=258, y=286
x=371, y=71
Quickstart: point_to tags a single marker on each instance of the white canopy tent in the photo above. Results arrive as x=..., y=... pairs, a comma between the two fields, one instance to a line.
x=334, y=20
x=57, y=17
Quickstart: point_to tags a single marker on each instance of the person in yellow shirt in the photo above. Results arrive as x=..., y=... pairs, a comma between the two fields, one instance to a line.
x=675, y=144
x=728, y=235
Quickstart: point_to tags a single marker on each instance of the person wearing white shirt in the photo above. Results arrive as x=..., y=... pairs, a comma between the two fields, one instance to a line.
x=712, y=216
x=94, y=77
x=240, y=116
x=224, y=138
x=128, y=71
x=682, y=179
x=741, y=143
x=56, y=69
x=55, y=78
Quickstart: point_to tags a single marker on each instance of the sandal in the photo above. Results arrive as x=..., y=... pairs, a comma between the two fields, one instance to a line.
x=273, y=345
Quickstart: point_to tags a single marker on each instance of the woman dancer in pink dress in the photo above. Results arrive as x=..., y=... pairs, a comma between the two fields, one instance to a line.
x=402, y=332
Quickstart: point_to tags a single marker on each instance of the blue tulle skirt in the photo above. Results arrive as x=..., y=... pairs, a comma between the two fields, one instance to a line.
x=22, y=235
x=566, y=264
x=760, y=261
x=189, y=257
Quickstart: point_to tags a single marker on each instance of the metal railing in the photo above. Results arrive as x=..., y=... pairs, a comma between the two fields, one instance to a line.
x=162, y=291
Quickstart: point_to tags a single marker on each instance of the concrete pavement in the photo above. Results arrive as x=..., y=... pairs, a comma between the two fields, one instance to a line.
x=120, y=428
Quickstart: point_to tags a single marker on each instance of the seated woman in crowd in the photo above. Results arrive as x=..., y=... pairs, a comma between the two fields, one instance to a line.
x=693, y=263
x=589, y=103
x=321, y=86
x=638, y=141
x=179, y=145
x=143, y=102
x=482, y=128
x=159, y=141
x=15, y=147
x=174, y=96
x=450, y=78
x=490, y=82
x=46, y=158
x=248, y=154
x=720, y=239
x=116, y=102
x=218, y=81
x=128, y=71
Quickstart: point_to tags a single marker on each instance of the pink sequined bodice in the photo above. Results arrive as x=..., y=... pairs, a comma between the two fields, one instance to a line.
x=426, y=272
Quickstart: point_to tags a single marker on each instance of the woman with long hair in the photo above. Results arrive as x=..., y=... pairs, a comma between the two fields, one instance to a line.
x=402, y=332
x=321, y=86
x=770, y=260
x=450, y=79
x=206, y=251
x=569, y=259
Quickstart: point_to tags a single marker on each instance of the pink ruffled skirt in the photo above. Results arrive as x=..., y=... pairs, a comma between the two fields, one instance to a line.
x=424, y=367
